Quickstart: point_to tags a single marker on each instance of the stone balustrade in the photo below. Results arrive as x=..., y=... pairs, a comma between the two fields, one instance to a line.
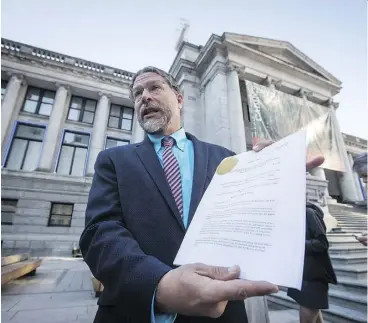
x=14, y=48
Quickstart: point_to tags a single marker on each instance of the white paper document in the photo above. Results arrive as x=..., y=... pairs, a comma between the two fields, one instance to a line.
x=253, y=215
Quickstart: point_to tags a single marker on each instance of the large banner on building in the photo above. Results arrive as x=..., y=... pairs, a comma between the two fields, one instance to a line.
x=274, y=115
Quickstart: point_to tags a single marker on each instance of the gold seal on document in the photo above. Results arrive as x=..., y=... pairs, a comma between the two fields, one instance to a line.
x=226, y=165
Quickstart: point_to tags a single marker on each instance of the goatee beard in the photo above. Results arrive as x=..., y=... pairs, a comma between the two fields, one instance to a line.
x=153, y=126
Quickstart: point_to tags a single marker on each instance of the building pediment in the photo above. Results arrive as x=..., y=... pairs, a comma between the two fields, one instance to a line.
x=283, y=52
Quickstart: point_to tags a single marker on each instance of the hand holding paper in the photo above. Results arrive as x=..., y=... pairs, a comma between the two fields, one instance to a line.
x=202, y=290
x=253, y=215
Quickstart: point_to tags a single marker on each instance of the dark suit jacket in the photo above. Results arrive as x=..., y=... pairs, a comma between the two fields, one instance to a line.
x=134, y=230
x=317, y=262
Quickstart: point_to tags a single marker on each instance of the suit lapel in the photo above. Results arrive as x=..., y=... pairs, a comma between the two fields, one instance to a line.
x=150, y=161
x=199, y=174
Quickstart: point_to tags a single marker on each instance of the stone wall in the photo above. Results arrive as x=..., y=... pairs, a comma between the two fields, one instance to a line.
x=34, y=193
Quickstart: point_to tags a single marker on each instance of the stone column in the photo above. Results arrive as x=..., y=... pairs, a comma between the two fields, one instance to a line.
x=202, y=113
x=319, y=172
x=98, y=131
x=54, y=126
x=8, y=104
x=348, y=189
x=137, y=131
x=236, y=119
x=191, y=108
x=356, y=179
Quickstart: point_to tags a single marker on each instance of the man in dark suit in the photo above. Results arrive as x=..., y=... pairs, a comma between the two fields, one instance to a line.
x=142, y=200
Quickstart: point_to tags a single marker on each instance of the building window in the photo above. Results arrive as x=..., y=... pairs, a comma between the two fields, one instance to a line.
x=3, y=88
x=25, y=148
x=61, y=215
x=73, y=154
x=8, y=208
x=39, y=101
x=120, y=117
x=112, y=142
x=82, y=109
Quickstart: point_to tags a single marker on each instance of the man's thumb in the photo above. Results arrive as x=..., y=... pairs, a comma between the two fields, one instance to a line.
x=217, y=272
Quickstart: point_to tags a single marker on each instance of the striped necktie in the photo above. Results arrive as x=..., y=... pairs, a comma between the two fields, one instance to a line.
x=172, y=172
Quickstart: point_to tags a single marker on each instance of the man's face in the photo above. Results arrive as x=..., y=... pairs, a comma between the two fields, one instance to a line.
x=364, y=177
x=156, y=103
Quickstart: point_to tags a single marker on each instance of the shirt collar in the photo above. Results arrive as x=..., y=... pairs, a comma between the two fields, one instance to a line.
x=179, y=136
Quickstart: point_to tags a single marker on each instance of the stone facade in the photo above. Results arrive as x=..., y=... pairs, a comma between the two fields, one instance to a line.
x=221, y=67
x=81, y=108
x=59, y=112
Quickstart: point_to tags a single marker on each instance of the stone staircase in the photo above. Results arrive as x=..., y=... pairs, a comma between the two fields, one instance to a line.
x=348, y=299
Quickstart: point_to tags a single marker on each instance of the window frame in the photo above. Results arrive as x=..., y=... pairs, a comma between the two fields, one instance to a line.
x=121, y=118
x=82, y=109
x=51, y=214
x=12, y=136
x=61, y=146
x=114, y=138
x=16, y=206
x=39, y=101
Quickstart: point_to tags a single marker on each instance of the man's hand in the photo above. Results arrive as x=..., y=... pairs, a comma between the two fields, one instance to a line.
x=362, y=239
x=310, y=164
x=201, y=290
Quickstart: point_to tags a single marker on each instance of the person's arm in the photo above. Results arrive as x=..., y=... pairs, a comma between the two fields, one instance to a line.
x=318, y=243
x=109, y=249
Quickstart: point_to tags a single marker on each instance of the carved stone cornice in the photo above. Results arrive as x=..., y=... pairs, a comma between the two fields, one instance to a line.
x=267, y=81
x=240, y=69
x=106, y=94
x=65, y=86
x=302, y=93
x=277, y=84
x=20, y=77
x=331, y=104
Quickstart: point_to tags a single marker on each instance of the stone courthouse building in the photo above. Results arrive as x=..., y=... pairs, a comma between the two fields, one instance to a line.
x=58, y=112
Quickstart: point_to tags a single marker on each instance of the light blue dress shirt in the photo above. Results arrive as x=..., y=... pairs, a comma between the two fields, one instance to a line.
x=184, y=153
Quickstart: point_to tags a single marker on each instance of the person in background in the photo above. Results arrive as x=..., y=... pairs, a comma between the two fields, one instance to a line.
x=360, y=167
x=318, y=271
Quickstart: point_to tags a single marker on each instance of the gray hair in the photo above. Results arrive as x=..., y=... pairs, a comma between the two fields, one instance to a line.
x=169, y=79
x=360, y=163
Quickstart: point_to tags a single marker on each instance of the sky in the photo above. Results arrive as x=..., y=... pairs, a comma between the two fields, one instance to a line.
x=132, y=34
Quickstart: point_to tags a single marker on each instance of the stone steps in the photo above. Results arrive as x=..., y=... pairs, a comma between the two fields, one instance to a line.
x=348, y=259
x=356, y=218
x=39, y=244
x=363, y=225
x=336, y=313
x=40, y=229
x=351, y=218
x=355, y=271
x=355, y=286
x=343, y=208
x=348, y=223
x=355, y=230
x=348, y=300
x=340, y=236
x=352, y=224
x=343, y=250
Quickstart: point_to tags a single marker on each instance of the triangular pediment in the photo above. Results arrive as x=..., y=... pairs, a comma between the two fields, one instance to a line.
x=284, y=52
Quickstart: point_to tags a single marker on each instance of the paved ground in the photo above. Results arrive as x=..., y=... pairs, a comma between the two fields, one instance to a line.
x=61, y=292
